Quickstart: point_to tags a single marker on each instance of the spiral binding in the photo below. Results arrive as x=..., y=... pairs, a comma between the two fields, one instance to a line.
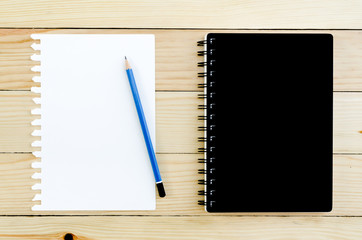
x=201, y=182
x=202, y=85
x=201, y=64
x=208, y=119
x=201, y=74
x=201, y=150
x=202, y=129
x=202, y=192
x=201, y=43
x=202, y=96
x=201, y=53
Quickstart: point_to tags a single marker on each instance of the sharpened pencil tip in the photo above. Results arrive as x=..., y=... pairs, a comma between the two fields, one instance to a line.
x=127, y=63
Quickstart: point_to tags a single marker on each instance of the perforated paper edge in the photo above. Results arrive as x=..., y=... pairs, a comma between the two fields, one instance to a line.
x=36, y=112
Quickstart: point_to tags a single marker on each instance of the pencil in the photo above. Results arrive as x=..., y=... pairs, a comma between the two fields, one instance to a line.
x=146, y=134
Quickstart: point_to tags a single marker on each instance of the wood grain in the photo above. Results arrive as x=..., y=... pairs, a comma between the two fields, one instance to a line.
x=176, y=59
x=182, y=227
x=178, y=216
x=332, y=14
x=176, y=122
x=347, y=122
x=180, y=175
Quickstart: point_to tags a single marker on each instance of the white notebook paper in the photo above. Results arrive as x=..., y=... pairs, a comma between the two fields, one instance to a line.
x=93, y=154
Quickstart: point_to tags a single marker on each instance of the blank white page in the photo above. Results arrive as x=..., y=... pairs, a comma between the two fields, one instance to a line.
x=93, y=154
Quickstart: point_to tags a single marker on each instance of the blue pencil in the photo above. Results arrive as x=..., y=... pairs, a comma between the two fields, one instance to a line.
x=146, y=134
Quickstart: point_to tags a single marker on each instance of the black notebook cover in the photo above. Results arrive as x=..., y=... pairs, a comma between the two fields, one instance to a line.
x=268, y=122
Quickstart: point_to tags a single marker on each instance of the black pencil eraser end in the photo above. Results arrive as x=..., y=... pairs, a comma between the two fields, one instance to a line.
x=161, y=189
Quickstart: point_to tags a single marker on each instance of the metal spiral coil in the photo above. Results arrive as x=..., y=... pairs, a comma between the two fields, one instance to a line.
x=202, y=95
x=201, y=160
x=202, y=85
x=204, y=171
x=201, y=43
x=201, y=64
x=202, y=74
x=201, y=182
x=212, y=41
x=201, y=53
x=201, y=192
x=202, y=150
x=202, y=129
x=202, y=118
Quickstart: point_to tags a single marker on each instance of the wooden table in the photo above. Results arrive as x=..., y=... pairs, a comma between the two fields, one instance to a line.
x=177, y=26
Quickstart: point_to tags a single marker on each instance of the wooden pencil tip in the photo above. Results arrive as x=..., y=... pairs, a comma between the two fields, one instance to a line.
x=127, y=63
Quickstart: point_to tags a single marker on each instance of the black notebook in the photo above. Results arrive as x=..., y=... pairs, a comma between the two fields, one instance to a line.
x=268, y=122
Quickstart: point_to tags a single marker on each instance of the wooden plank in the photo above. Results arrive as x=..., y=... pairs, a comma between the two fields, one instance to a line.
x=183, y=227
x=176, y=122
x=347, y=61
x=176, y=59
x=15, y=121
x=332, y=14
x=347, y=123
x=179, y=172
